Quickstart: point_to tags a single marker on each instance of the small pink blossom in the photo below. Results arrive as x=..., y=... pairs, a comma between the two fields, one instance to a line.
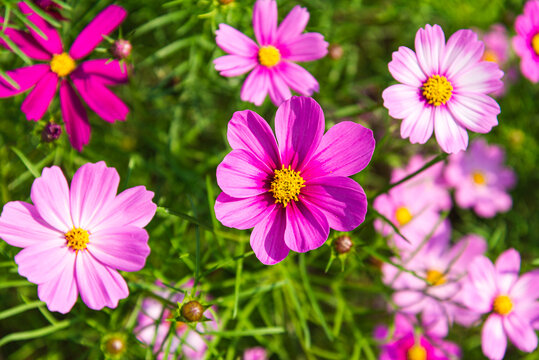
x=526, y=42
x=497, y=50
x=255, y=353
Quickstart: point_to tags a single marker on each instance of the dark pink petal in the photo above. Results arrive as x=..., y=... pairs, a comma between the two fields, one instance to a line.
x=493, y=339
x=93, y=188
x=103, y=24
x=250, y=132
x=107, y=72
x=256, y=86
x=234, y=65
x=278, y=89
x=403, y=101
x=265, y=21
x=298, y=78
x=50, y=195
x=429, y=47
x=482, y=274
x=267, y=238
x=123, y=248
x=526, y=286
x=451, y=136
x=38, y=100
x=26, y=43
x=242, y=175
x=25, y=77
x=405, y=68
x=22, y=226
x=243, y=213
x=477, y=112
x=60, y=293
x=345, y=150
x=74, y=115
x=98, y=284
x=306, y=47
x=52, y=43
x=306, y=227
x=235, y=43
x=292, y=25
x=529, y=68
x=507, y=266
x=462, y=50
x=419, y=124
x=299, y=126
x=520, y=332
x=42, y=262
x=342, y=201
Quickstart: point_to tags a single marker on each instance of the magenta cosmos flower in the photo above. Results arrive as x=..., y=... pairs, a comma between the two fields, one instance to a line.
x=510, y=301
x=443, y=88
x=75, y=240
x=480, y=179
x=91, y=78
x=294, y=189
x=526, y=42
x=272, y=61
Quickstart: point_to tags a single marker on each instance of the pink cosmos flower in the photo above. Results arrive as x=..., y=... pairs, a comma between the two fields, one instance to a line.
x=510, y=301
x=497, y=50
x=526, y=42
x=255, y=353
x=480, y=179
x=444, y=88
x=91, y=78
x=294, y=189
x=75, y=240
x=272, y=60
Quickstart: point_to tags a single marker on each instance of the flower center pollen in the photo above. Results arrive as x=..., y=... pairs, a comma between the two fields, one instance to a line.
x=478, y=178
x=286, y=185
x=416, y=352
x=502, y=305
x=62, y=64
x=490, y=55
x=535, y=43
x=77, y=238
x=269, y=56
x=435, y=277
x=437, y=90
x=403, y=215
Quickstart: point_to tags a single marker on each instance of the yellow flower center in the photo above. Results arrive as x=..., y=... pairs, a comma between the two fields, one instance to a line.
x=77, y=238
x=286, y=185
x=437, y=90
x=535, y=43
x=269, y=56
x=403, y=215
x=416, y=352
x=490, y=55
x=502, y=305
x=479, y=178
x=435, y=277
x=62, y=64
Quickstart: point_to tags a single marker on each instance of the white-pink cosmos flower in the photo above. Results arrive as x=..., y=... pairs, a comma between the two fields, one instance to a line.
x=75, y=240
x=443, y=88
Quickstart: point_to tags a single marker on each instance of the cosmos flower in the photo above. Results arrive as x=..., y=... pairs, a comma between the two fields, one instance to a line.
x=480, y=179
x=497, y=50
x=255, y=353
x=443, y=88
x=510, y=301
x=294, y=189
x=272, y=60
x=526, y=42
x=75, y=240
x=91, y=78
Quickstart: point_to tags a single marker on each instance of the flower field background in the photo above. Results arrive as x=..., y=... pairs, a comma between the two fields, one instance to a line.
x=314, y=305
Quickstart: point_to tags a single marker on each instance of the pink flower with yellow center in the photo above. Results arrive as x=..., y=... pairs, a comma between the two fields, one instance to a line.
x=526, y=42
x=76, y=239
x=497, y=50
x=272, y=60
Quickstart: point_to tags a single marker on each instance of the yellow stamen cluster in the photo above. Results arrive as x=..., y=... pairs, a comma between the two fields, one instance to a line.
x=403, y=215
x=437, y=90
x=502, y=305
x=535, y=43
x=416, y=352
x=435, y=278
x=77, y=238
x=479, y=178
x=62, y=64
x=490, y=55
x=269, y=56
x=286, y=185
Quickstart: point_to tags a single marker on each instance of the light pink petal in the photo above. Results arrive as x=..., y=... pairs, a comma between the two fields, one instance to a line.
x=93, y=188
x=25, y=77
x=123, y=248
x=38, y=100
x=451, y=136
x=26, y=43
x=410, y=301
x=298, y=78
x=474, y=298
x=429, y=47
x=98, y=284
x=493, y=339
x=529, y=310
x=52, y=43
x=402, y=101
x=107, y=72
x=50, y=195
x=292, y=25
x=256, y=86
x=60, y=293
x=484, y=78
x=235, y=43
x=405, y=68
x=419, y=124
x=75, y=117
x=306, y=47
x=250, y=132
x=278, y=89
x=342, y=201
x=465, y=251
x=477, y=112
x=482, y=274
x=526, y=286
x=507, y=266
x=267, y=238
x=299, y=126
x=103, y=24
x=234, y=65
x=306, y=227
x=242, y=175
x=265, y=21
x=22, y=226
x=520, y=332
x=243, y=213
x=462, y=51
x=43, y=261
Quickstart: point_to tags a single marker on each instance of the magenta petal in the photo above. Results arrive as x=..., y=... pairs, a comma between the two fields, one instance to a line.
x=74, y=115
x=234, y=42
x=60, y=293
x=462, y=50
x=38, y=100
x=306, y=47
x=107, y=72
x=299, y=126
x=52, y=43
x=429, y=47
x=508, y=267
x=25, y=77
x=256, y=86
x=493, y=339
x=520, y=332
x=26, y=43
x=103, y=24
x=298, y=78
x=267, y=238
x=306, y=227
x=451, y=136
x=234, y=65
x=278, y=89
x=340, y=199
x=265, y=21
x=292, y=25
x=31, y=260
x=243, y=213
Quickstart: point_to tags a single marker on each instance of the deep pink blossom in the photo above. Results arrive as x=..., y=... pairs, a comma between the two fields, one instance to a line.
x=75, y=240
x=443, y=88
x=526, y=42
x=510, y=301
x=272, y=60
x=294, y=189
x=480, y=179
x=91, y=78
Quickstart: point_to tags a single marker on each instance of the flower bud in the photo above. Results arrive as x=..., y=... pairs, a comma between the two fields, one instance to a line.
x=335, y=51
x=225, y=2
x=192, y=311
x=343, y=244
x=51, y=132
x=121, y=49
x=114, y=345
